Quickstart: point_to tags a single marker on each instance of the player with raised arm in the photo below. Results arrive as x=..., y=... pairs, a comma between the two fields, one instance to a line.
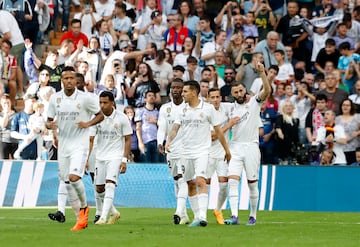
x=244, y=145
x=195, y=120
x=167, y=115
x=113, y=147
x=73, y=110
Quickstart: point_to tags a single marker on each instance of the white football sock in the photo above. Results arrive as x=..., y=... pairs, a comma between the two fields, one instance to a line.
x=62, y=196
x=194, y=203
x=80, y=191
x=108, y=199
x=234, y=196
x=254, y=198
x=223, y=192
x=73, y=199
x=203, y=205
x=99, y=202
x=181, y=198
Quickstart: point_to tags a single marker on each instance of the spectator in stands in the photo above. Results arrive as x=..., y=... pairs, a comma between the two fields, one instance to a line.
x=193, y=71
x=163, y=74
x=8, y=144
x=107, y=36
x=178, y=71
x=215, y=80
x=10, y=30
x=287, y=131
x=286, y=71
x=9, y=79
x=249, y=28
x=257, y=84
x=341, y=36
x=75, y=34
x=353, y=28
x=293, y=33
x=155, y=29
x=204, y=90
x=327, y=157
x=348, y=58
x=187, y=50
x=144, y=82
x=204, y=34
x=186, y=9
x=350, y=122
x=44, y=78
x=229, y=78
x=142, y=21
x=51, y=64
x=328, y=53
x=315, y=118
x=210, y=48
x=267, y=48
x=20, y=128
x=88, y=17
x=357, y=163
x=121, y=22
x=95, y=58
x=134, y=155
x=235, y=49
x=247, y=72
x=146, y=130
x=355, y=97
x=332, y=136
x=334, y=95
x=326, y=8
x=174, y=37
x=289, y=52
x=268, y=118
x=105, y=9
x=265, y=19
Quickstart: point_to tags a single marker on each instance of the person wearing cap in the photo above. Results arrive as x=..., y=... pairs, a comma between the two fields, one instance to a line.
x=155, y=29
x=20, y=128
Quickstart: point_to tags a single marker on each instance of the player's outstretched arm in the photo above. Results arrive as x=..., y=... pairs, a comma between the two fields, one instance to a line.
x=266, y=88
x=97, y=119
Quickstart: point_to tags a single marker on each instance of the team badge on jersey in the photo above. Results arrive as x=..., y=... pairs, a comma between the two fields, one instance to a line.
x=168, y=110
x=184, y=111
x=116, y=126
x=58, y=101
x=202, y=115
x=78, y=106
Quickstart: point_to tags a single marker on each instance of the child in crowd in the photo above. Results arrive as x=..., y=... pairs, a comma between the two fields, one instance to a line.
x=38, y=129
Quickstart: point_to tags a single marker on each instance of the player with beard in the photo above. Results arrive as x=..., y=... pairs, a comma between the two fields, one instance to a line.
x=244, y=145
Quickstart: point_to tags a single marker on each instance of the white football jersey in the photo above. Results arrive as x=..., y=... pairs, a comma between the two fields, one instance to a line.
x=70, y=110
x=196, y=128
x=167, y=115
x=216, y=149
x=110, y=134
x=247, y=130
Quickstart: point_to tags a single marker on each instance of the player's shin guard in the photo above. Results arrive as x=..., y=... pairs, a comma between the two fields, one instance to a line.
x=80, y=191
x=108, y=199
x=254, y=198
x=223, y=192
x=73, y=199
x=234, y=196
x=181, y=198
x=194, y=203
x=62, y=196
x=203, y=205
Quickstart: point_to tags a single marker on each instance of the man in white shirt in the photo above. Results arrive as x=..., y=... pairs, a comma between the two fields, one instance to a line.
x=73, y=110
x=244, y=145
x=112, y=149
x=167, y=115
x=195, y=121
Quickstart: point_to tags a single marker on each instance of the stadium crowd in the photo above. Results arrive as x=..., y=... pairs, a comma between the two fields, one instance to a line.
x=310, y=51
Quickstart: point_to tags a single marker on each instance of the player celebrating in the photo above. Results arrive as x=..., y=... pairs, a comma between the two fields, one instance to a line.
x=113, y=147
x=195, y=121
x=168, y=113
x=245, y=145
x=73, y=110
x=216, y=154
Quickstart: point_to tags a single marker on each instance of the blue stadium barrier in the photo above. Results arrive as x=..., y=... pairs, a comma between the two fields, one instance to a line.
x=304, y=188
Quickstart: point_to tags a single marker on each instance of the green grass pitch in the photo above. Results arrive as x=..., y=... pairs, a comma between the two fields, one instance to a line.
x=154, y=227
